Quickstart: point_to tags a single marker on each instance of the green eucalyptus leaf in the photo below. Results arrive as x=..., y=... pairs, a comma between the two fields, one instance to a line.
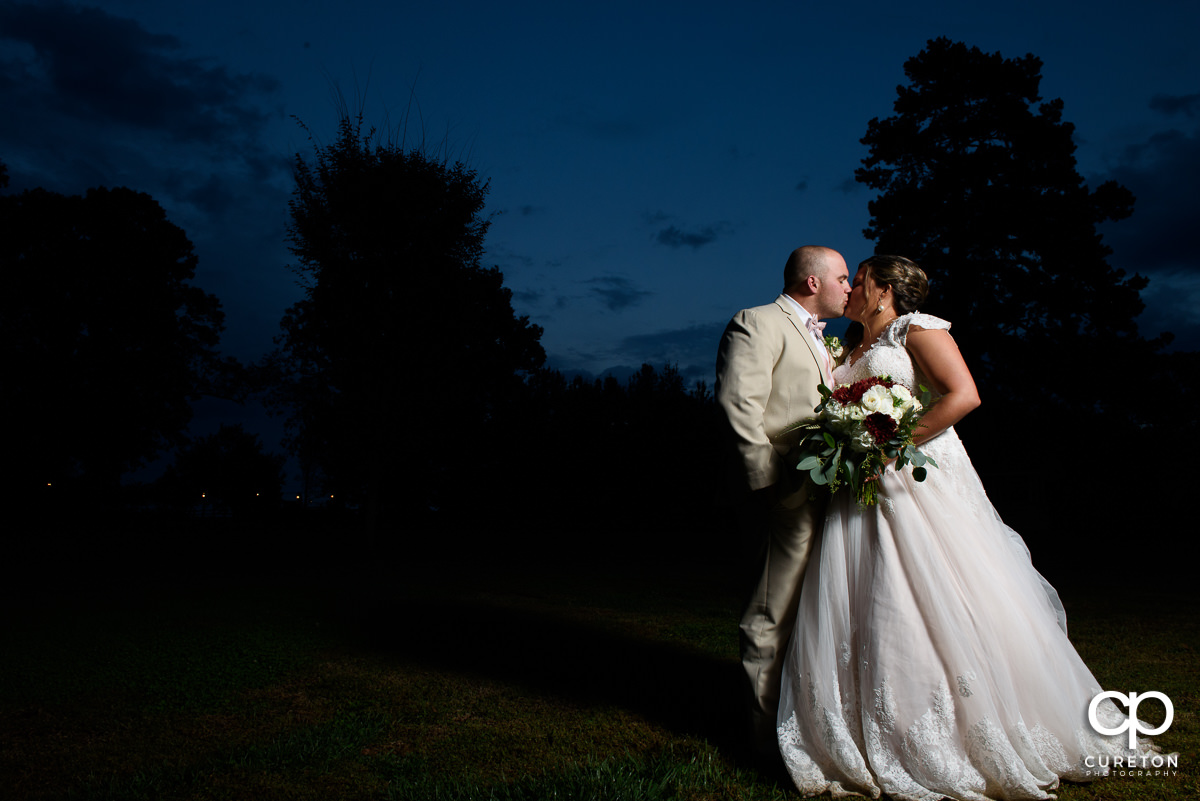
x=919, y=474
x=808, y=463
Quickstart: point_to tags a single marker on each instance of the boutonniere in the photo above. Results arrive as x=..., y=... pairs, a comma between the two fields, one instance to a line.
x=834, y=346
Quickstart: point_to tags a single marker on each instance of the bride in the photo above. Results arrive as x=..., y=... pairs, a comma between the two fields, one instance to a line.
x=929, y=657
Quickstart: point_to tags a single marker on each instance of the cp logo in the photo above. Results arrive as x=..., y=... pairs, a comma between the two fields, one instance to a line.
x=1132, y=723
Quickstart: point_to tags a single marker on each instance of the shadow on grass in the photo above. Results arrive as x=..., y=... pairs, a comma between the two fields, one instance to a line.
x=564, y=647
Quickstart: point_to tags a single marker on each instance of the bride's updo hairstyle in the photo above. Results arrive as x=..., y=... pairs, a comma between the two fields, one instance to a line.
x=903, y=277
x=906, y=280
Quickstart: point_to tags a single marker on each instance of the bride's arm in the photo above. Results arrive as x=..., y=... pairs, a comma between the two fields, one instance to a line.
x=936, y=353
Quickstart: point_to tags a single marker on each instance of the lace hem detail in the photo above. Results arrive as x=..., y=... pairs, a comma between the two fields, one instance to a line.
x=927, y=663
x=933, y=758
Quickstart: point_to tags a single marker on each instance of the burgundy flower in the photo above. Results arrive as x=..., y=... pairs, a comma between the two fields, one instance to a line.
x=882, y=427
x=842, y=395
x=853, y=393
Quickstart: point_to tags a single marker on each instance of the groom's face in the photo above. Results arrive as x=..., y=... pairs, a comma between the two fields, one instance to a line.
x=834, y=291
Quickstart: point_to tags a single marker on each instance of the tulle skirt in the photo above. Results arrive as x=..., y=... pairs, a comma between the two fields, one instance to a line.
x=930, y=658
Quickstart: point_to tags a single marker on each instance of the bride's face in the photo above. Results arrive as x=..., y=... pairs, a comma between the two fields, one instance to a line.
x=862, y=292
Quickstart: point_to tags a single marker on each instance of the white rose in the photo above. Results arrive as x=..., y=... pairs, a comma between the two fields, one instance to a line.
x=905, y=402
x=903, y=399
x=878, y=399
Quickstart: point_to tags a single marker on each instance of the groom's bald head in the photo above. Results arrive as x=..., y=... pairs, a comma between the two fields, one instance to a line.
x=809, y=260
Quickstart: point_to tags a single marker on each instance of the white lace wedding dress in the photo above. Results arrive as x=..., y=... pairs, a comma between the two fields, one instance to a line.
x=930, y=658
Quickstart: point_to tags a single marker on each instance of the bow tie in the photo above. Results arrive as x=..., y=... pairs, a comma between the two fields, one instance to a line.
x=814, y=326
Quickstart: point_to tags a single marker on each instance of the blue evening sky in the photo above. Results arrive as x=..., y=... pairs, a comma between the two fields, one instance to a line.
x=651, y=164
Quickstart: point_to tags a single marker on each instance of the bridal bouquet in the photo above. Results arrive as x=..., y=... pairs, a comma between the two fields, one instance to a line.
x=858, y=428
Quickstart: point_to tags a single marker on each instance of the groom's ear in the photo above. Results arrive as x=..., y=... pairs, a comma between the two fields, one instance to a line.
x=812, y=284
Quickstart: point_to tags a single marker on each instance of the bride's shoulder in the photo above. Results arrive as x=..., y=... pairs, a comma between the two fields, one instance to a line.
x=898, y=330
x=925, y=322
x=916, y=320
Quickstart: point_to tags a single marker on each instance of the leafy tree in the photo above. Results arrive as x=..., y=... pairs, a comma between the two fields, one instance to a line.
x=228, y=471
x=978, y=184
x=642, y=466
x=103, y=340
x=404, y=352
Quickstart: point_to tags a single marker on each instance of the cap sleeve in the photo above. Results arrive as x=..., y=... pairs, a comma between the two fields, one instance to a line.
x=897, y=332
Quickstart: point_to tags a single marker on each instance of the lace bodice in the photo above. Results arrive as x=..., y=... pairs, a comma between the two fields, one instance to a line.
x=889, y=356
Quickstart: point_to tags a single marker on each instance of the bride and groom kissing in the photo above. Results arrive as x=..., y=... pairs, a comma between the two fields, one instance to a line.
x=907, y=648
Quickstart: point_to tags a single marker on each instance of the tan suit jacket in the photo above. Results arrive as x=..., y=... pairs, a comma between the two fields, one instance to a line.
x=768, y=371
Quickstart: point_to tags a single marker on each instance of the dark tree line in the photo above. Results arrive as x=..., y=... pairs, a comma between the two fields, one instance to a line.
x=226, y=473
x=978, y=184
x=405, y=354
x=634, y=464
x=416, y=395
x=103, y=339
x=416, y=392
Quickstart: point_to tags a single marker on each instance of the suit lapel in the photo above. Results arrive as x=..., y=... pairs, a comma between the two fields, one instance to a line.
x=818, y=357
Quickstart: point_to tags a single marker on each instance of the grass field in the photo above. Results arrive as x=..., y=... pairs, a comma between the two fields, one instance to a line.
x=420, y=682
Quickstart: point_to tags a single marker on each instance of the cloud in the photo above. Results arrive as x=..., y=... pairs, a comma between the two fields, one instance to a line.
x=1173, y=304
x=692, y=348
x=528, y=297
x=94, y=99
x=1162, y=172
x=851, y=186
x=674, y=237
x=101, y=100
x=1158, y=241
x=111, y=70
x=625, y=125
x=802, y=184
x=1176, y=104
x=617, y=293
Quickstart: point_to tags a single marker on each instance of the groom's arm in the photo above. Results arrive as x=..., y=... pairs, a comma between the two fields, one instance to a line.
x=745, y=363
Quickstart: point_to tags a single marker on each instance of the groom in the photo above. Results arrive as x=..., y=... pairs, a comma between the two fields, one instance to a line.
x=771, y=360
